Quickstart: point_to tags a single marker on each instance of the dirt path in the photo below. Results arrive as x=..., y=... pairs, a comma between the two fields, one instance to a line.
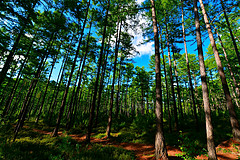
x=225, y=151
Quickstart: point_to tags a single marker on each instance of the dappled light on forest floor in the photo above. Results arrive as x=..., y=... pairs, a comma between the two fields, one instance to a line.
x=227, y=150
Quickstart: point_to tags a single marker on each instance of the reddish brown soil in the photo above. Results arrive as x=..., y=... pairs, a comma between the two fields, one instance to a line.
x=225, y=151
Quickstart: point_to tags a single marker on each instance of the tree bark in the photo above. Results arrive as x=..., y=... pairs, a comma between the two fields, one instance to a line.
x=209, y=128
x=166, y=82
x=93, y=105
x=160, y=148
x=178, y=89
x=108, y=131
x=232, y=113
x=46, y=88
x=55, y=132
x=80, y=77
x=172, y=85
x=188, y=67
x=230, y=31
x=229, y=66
x=101, y=83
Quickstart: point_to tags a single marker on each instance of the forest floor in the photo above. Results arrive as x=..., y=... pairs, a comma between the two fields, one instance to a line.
x=227, y=150
x=129, y=140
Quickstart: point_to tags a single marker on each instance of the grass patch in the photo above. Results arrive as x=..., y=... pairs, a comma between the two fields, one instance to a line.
x=32, y=145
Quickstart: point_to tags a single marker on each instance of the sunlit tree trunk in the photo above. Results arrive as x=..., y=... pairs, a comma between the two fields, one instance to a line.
x=93, y=105
x=55, y=132
x=229, y=66
x=209, y=128
x=230, y=31
x=108, y=131
x=166, y=82
x=160, y=148
x=232, y=113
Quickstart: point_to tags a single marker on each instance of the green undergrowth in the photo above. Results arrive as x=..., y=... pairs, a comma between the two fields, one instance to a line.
x=139, y=129
x=33, y=145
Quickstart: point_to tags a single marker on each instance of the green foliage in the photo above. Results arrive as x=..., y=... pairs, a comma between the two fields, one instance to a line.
x=189, y=147
x=105, y=153
x=32, y=145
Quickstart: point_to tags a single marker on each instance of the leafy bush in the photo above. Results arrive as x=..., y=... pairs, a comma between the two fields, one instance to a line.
x=189, y=147
x=32, y=145
x=105, y=153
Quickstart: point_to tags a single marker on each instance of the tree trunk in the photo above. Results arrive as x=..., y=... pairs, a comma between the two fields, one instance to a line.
x=31, y=88
x=11, y=96
x=45, y=92
x=28, y=97
x=108, y=131
x=166, y=82
x=178, y=89
x=172, y=85
x=93, y=105
x=118, y=92
x=55, y=132
x=75, y=97
x=189, y=74
x=101, y=83
x=209, y=128
x=10, y=57
x=229, y=66
x=232, y=113
x=160, y=149
x=230, y=31
x=55, y=96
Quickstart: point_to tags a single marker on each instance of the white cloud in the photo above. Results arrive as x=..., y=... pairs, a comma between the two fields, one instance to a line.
x=139, y=1
x=137, y=33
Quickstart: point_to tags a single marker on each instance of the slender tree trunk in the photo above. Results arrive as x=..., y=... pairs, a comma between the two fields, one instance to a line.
x=160, y=149
x=46, y=88
x=93, y=105
x=80, y=77
x=54, y=103
x=178, y=89
x=28, y=97
x=57, y=86
x=70, y=108
x=10, y=57
x=11, y=96
x=209, y=128
x=232, y=113
x=142, y=100
x=31, y=89
x=55, y=132
x=108, y=131
x=166, y=82
x=101, y=83
x=172, y=86
x=229, y=66
x=189, y=74
x=230, y=31
x=126, y=94
x=118, y=91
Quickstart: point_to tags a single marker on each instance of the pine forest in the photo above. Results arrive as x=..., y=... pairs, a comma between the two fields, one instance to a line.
x=119, y=79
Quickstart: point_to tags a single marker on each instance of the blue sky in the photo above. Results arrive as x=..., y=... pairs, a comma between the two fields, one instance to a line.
x=146, y=50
